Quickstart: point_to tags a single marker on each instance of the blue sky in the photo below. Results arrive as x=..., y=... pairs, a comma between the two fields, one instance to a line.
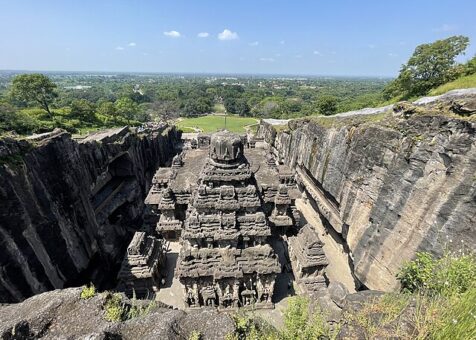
x=368, y=38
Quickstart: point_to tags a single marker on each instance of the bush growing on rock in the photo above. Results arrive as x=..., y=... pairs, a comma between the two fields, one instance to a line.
x=453, y=273
x=88, y=292
x=114, y=308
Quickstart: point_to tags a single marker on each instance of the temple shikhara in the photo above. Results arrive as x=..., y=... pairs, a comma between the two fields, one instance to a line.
x=226, y=202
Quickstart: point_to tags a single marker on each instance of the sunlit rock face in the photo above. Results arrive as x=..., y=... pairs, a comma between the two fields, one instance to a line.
x=67, y=206
x=390, y=188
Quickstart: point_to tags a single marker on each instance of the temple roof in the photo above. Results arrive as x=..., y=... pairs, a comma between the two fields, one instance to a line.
x=142, y=257
x=225, y=146
x=307, y=247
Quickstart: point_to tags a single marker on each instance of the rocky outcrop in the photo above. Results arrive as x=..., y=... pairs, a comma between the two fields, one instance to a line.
x=62, y=314
x=390, y=184
x=68, y=207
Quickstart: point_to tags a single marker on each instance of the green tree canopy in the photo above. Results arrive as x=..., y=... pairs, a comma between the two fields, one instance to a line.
x=107, y=109
x=83, y=109
x=34, y=88
x=327, y=105
x=127, y=108
x=430, y=66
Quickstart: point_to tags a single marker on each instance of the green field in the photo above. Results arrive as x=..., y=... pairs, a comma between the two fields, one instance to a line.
x=214, y=123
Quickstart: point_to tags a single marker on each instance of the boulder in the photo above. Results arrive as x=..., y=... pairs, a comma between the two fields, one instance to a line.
x=62, y=314
x=338, y=292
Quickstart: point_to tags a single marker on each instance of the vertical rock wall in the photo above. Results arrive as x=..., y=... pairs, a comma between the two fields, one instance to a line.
x=397, y=188
x=66, y=206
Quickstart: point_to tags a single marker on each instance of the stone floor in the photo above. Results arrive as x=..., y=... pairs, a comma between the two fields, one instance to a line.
x=172, y=292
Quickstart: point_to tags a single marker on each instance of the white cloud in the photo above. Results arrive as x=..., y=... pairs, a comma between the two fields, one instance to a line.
x=132, y=44
x=317, y=53
x=254, y=43
x=203, y=35
x=282, y=42
x=391, y=54
x=119, y=48
x=227, y=35
x=172, y=34
x=372, y=46
x=445, y=28
x=269, y=60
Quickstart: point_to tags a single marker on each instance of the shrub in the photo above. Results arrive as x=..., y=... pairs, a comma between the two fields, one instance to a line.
x=136, y=309
x=114, y=308
x=300, y=324
x=417, y=273
x=88, y=292
x=451, y=274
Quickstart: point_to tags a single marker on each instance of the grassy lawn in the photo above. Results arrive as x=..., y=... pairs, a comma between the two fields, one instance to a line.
x=460, y=83
x=215, y=123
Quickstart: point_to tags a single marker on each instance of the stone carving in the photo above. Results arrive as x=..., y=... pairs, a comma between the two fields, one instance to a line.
x=224, y=253
x=215, y=206
x=308, y=259
x=140, y=269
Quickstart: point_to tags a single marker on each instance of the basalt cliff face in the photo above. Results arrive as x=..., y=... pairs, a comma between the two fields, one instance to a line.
x=67, y=206
x=390, y=184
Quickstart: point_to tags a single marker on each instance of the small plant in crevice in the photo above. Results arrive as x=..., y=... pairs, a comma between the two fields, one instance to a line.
x=195, y=335
x=138, y=309
x=88, y=292
x=114, y=308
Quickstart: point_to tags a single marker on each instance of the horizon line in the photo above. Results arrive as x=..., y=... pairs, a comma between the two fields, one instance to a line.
x=199, y=73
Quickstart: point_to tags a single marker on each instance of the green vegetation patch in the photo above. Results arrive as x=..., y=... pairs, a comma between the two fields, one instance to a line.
x=460, y=83
x=213, y=123
x=115, y=309
x=88, y=292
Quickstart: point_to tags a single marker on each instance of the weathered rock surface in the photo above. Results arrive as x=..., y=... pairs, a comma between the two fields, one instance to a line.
x=365, y=316
x=66, y=206
x=61, y=314
x=389, y=186
x=337, y=292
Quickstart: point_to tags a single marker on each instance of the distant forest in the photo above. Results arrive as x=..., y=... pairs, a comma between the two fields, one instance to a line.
x=81, y=102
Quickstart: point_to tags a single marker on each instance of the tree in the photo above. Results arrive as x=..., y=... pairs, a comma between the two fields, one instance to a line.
x=34, y=87
x=238, y=106
x=17, y=121
x=108, y=109
x=83, y=109
x=327, y=105
x=165, y=109
x=126, y=107
x=430, y=66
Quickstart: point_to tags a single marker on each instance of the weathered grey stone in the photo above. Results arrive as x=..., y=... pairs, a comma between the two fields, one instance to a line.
x=337, y=292
x=389, y=188
x=379, y=322
x=66, y=206
x=61, y=314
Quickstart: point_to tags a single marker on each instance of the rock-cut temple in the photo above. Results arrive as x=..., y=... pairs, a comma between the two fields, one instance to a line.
x=223, y=203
